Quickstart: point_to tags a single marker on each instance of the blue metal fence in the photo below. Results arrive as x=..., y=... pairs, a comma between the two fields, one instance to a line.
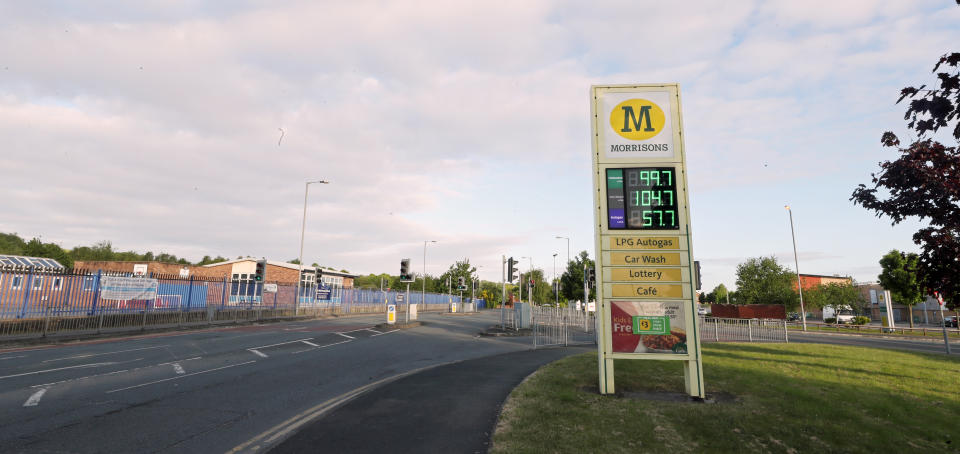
x=27, y=294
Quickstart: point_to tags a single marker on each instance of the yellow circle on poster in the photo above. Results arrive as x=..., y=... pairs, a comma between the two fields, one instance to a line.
x=637, y=119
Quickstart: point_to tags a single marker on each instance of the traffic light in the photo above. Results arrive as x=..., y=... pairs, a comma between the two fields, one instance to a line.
x=405, y=271
x=591, y=276
x=261, y=271
x=461, y=283
x=696, y=266
x=511, y=271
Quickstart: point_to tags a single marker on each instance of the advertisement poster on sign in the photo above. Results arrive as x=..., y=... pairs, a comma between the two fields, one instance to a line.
x=648, y=327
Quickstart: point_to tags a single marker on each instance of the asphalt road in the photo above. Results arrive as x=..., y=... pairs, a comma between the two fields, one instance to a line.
x=216, y=390
x=929, y=345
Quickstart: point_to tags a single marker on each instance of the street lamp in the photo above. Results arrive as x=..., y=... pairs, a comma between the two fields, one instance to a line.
x=529, y=286
x=556, y=290
x=796, y=262
x=303, y=228
x=423, y=292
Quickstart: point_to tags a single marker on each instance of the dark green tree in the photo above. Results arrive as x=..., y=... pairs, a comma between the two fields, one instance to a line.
x=923, y=181
x=763, y=281
x=899, y=275
x=571, y=282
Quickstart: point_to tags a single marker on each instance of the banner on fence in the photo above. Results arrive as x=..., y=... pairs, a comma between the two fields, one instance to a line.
x=270, y=288
x=127, y=288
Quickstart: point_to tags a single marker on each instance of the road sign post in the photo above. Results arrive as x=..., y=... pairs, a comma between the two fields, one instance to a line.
x=644, y=273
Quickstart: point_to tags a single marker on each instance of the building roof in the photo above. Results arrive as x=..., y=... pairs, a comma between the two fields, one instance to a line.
x=824, y=275
x=19, y=261
x=291, y=266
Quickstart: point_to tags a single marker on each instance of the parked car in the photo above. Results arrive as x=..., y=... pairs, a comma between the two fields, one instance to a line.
x=845, y=316
x=793, y=317
x=951, y=322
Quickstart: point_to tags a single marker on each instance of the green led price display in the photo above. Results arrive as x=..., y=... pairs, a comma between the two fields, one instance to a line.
x=642, y=198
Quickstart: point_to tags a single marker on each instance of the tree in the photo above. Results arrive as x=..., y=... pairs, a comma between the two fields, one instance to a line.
x=763, y=281
x=11, y=243
x=924, y=182
x=899, y=276
x=571, y=282
x=720, y=294
x=461, y=268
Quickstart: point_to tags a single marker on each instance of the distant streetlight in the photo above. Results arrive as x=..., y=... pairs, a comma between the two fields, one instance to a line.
x=529, y=286
x=796, y=263
x=303, y=228
x=556, y=289
x=423, y=292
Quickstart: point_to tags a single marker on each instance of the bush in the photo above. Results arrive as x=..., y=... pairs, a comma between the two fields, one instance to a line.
x=830, y=320
x=861, y=320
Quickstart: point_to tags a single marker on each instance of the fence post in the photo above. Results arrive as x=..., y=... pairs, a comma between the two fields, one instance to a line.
x=750, y=329
x=716, y=329
x=786, y=337
x=26, y=293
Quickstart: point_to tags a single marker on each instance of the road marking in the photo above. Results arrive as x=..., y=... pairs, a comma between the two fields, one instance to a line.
x=280, y=343
x=284, y=429
x=378, y=332
x=101, y=354
x=110, y=373
x=178, y=369
x=355, y=330
x=258, y=353
x=35, y=398
x=81, y=366
x=348, y=337
x=180, y=361
x=13, y=357
x=388, y=332
x=179, y=377
x=310, y=343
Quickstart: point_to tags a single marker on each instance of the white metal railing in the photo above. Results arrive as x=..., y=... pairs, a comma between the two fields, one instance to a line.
x=553, y=326
x=742, y=330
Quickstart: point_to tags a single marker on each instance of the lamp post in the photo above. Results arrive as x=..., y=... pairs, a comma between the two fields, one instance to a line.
x=529, y=286
x=423, y=291
x=303, y=228
x=565, y=265
x=796, y=263
x=556, y=290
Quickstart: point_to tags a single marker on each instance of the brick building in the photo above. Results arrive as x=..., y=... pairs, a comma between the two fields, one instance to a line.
x=147, y=268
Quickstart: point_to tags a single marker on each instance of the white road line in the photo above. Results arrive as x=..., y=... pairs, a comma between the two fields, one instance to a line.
x=348, y=337
x=281, y=343
x=35, y=398
x=101, y=354
x=310, y=343
x=178, y=377
x=322, y=346
x=13, y=357
x=178, y=369
x=355, y=330
x=378, y=332
x=388, y=332
x=110, y=373
x=81, y=366
x=258, y=353
x=180, y=361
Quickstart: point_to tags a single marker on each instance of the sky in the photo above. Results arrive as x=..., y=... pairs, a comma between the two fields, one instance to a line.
x=191, y=127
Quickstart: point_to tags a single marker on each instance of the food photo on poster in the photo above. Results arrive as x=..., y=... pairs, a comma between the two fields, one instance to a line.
x=648, y=327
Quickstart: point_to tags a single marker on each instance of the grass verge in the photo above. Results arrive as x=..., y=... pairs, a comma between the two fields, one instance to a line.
x=790, y=398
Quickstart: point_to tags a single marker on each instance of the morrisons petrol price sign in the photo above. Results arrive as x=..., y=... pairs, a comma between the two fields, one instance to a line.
x=642, y=198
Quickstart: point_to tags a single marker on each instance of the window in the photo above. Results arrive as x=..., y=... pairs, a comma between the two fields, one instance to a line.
x=57, y=283
x=16, y=282
x=38, y=282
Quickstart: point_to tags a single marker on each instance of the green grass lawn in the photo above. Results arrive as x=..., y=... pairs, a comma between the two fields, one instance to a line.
x=793, y=398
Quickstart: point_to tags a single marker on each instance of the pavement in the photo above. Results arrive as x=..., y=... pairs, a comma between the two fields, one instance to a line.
x=451, y=408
